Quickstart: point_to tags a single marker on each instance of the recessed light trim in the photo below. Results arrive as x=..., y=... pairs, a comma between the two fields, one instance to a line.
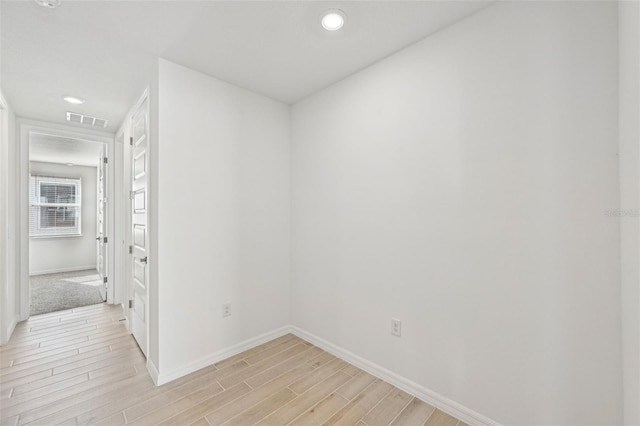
x=51, y=4
x=73, y=100
x=333, y=19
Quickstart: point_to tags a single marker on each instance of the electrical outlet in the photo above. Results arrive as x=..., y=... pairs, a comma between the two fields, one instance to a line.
x=396, y=327
x=226, y=309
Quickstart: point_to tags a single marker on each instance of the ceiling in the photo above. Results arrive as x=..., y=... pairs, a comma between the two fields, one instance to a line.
x=103, y=51
x=55, y=149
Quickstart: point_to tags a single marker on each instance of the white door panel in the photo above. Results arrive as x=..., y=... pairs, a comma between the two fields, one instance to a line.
x=139, y=278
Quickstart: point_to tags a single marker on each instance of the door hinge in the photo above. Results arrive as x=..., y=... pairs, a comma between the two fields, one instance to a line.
x=131, y=140
x=104, y=280
x=105, y=240
x=130, y=304
x=130, y=249
x=131, y=194
x=106, y=160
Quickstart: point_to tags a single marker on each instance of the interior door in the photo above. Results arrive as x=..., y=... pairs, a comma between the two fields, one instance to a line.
x=101, y=222
x=139, y=279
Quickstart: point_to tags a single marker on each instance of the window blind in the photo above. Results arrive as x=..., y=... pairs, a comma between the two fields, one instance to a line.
x=55, y=206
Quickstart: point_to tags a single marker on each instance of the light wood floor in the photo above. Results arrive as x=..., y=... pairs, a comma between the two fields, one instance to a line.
x=82, y=367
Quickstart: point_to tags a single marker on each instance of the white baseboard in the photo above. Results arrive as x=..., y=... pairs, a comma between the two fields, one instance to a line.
x=6, y=333
x=162, y=378
x=445, y=404
x=59, y=270
x=153, y=372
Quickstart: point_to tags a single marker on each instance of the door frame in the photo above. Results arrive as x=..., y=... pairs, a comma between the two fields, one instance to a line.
x=7, y=321
x=27, y=128
x=120, y=221
x=102, y=183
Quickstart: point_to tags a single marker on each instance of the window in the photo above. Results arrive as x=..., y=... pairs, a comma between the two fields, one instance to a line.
x=55, y=206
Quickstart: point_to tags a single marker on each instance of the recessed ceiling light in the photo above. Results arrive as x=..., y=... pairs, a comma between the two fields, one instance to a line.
x=333, y=19
x=70, y=164
x=51, y=4
x=73, y=100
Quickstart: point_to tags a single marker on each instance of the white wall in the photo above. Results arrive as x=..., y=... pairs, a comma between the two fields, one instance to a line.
x=59, y=254
x=461, y=186
x=629, y=114
x=223, y=215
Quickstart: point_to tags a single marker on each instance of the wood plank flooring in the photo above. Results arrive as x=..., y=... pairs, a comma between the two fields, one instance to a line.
x=80, y=367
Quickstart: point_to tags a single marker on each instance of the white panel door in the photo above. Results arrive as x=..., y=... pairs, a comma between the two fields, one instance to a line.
x=139, y=279
x=101, y=222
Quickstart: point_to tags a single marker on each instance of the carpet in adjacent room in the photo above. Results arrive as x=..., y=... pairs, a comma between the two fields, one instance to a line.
x=65, y=290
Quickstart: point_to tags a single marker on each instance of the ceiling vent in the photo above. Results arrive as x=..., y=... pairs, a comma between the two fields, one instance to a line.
x=74, y=117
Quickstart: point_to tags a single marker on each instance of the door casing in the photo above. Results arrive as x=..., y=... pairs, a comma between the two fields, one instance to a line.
x=27, y=128
x=102, y=213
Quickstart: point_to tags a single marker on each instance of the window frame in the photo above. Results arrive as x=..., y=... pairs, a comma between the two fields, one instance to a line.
x=35, y=185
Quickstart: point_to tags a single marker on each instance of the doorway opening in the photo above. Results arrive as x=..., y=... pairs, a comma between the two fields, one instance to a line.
x=67, y=223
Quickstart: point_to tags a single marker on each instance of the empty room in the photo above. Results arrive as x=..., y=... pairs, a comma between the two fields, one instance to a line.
x=319, y=212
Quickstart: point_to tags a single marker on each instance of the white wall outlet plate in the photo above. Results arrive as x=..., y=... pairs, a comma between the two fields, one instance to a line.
x=226, y=309
x=396, y=327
